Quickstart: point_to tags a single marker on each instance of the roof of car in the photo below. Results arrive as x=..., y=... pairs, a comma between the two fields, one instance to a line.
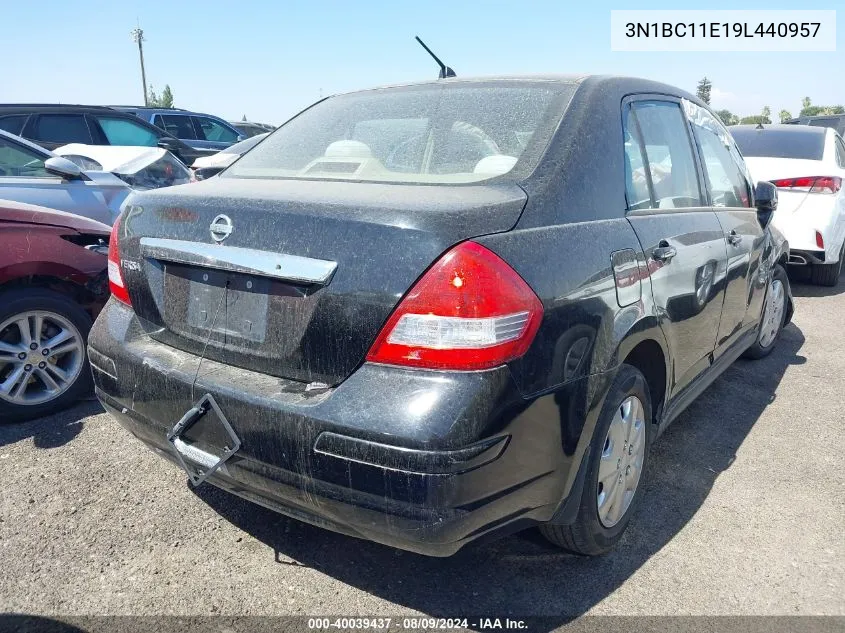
x=22, y=141
x=30, y=107
x=784, y=128
x=815, y=117
x=162, y=110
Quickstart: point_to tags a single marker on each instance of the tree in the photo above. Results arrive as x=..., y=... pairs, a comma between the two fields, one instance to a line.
x=166, y=100
x=766, y=114
x=703, y=90
x=785, y=115
x=809, y=109
x=727, y=117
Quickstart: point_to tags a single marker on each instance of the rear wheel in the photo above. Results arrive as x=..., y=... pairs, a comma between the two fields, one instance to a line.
x=617, y=462
x=43, y=365
x=827, y=274
x=774, y=315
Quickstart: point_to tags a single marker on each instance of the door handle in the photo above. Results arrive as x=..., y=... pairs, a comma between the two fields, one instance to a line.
x=663, y=252
x=734, y=238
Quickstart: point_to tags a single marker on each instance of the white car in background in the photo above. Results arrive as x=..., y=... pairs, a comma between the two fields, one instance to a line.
x=139, y=167
x=807, y=164
x=207, y=166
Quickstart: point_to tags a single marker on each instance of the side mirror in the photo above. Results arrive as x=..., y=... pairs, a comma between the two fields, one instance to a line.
x=766, y=199
x=203, y=173
x=63, y=167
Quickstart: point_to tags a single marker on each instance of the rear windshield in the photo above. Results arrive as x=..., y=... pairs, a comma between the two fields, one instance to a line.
x=442, y=133
x=791, y=143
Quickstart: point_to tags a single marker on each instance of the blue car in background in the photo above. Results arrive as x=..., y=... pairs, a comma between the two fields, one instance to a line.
x=29, y=173
x=200, y=131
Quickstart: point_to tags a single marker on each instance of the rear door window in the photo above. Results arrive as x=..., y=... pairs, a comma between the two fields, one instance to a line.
x=61, y=128
x=178, y=125
x=668, y=167
x=727, y=175
x=210, y=130
x=120, y=131
x=13, y=124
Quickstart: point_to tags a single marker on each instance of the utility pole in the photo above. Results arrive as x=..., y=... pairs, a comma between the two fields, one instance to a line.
x=138, y=38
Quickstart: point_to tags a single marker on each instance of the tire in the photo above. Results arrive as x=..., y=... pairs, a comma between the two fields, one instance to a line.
x=827, y=274
x=591, y=534
x=59, y=314
x=768, y=336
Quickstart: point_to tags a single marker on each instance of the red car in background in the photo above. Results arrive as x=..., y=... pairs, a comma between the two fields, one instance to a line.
x=53, y=283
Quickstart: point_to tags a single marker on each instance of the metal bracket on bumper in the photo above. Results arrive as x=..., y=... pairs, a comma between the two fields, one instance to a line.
x=195, y=460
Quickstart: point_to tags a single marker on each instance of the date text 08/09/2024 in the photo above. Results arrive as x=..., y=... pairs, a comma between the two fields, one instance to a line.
x=414, y=623
x=721, y=29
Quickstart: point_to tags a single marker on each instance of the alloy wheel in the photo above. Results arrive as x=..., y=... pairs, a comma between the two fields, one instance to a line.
x=41, y=356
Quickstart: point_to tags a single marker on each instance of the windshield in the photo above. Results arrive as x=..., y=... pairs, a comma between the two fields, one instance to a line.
x=788, y=143
x=441, y=133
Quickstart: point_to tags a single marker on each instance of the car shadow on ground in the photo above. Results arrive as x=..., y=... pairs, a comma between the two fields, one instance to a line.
x=799, y=282
x=522, y=575
x=51, y=431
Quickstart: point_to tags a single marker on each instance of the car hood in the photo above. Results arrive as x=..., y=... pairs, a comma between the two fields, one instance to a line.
x=117, y=159
x=220, y=159
x=33, y=214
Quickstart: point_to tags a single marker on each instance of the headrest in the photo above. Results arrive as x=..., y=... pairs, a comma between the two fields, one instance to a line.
x=495, y=165
x=348, y=149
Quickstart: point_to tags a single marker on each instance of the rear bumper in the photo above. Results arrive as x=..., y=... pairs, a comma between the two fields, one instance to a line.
x=423, y=461
x=799, y=257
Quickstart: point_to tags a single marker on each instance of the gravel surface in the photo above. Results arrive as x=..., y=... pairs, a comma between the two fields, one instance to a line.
x=742, y=514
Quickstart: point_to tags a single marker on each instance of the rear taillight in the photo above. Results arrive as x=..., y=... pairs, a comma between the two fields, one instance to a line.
x=116, y=283
x=469, y=311
x=819, y=240
x=810, y=184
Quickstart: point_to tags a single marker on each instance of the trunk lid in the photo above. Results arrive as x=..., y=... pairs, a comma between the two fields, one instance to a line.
x=299, y=280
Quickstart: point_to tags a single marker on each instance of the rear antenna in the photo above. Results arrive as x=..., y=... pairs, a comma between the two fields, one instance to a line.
x=759, y=126
x=445, y=71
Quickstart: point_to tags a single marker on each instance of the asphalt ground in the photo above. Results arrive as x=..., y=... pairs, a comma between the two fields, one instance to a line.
x=742, y=515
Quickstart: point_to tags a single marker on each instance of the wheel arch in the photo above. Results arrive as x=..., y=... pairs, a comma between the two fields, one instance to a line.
x=91, y=295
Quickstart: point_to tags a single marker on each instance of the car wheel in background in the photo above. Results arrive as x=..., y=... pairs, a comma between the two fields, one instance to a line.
x=617, y=461
x=774, y=315
x=827, y=274
x=43, y=361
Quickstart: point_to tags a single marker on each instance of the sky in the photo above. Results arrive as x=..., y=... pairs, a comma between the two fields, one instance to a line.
x=269, y=59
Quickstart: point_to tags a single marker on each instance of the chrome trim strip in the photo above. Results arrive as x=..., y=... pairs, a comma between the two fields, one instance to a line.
x=240, y=260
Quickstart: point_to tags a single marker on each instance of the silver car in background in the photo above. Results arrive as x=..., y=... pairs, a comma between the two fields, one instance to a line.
x=31, y=174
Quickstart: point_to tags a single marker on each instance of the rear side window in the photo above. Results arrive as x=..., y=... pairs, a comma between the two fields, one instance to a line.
x=178, y=125
x=61, y=128
x=727, y=175
x=13, y=124
x=119, y=131
x=211, y=130
x=792, y=142
x=663, y=147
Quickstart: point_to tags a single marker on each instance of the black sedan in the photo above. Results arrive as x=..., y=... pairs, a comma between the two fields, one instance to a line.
x=432, y=313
